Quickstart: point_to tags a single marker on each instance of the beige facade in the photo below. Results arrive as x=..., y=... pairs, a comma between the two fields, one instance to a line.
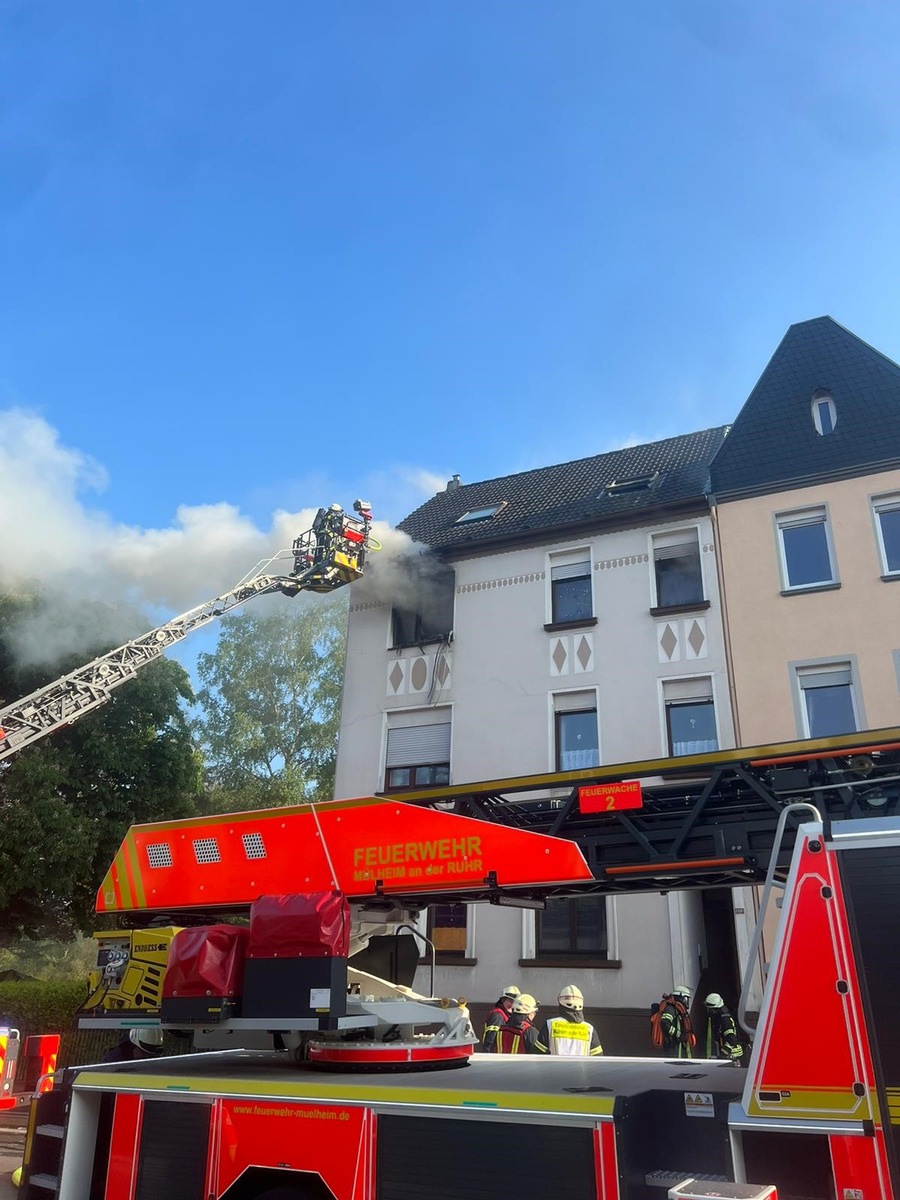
x=783, y=638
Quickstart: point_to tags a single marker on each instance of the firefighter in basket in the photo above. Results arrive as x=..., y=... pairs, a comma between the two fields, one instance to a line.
x=499, y=1015
x=518, y=1035
x=568, y=1033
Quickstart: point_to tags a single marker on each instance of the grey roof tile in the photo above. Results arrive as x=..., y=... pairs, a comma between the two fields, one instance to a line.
x=774, y=445
x=571, y=494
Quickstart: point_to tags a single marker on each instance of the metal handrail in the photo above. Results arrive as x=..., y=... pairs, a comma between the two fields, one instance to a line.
x=771, y=883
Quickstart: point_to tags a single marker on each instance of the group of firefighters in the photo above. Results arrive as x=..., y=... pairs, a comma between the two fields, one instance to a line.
x=512, y=1026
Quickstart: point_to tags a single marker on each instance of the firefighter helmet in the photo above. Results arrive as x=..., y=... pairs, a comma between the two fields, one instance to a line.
x=510, y=992
x=148, y=1040
x=714, y=1000
x=571, y=997
x=682, y=990
x=524, y=1003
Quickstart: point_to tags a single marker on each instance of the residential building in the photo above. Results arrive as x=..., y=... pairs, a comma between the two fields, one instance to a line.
x=563, y=617
x=806, y=492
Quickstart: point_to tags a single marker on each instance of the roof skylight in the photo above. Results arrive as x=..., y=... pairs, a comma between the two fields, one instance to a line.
x=637, y=483
x=479, y=514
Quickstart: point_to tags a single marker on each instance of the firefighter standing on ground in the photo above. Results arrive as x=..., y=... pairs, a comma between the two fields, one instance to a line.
x=518, y=1035
x=569, y=1033
x=499, y=1015
x=721, y=1032
x=670, y=1023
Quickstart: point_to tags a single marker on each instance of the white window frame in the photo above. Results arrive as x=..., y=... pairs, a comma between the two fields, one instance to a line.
x=569, y=558
x=674, y=681
x=529, y=932
x=824, y=399
x=816, y=514
x=836, y=666
x=890, y=502
x=674, y=537
x=571, y=700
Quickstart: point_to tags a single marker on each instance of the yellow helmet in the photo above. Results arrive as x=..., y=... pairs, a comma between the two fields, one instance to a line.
x=525, y=1004
x=714, y=1000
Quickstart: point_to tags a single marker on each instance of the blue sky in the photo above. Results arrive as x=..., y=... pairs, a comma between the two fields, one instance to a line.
x=288, y=253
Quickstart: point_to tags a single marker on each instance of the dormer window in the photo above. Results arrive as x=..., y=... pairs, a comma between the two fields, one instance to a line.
x=824, y=414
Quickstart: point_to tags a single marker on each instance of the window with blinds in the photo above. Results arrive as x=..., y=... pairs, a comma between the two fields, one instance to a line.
x=829, y=701
x=418, y=756
x=570, y=589
x=690, y=716
x=577, y=732
x=677, y=570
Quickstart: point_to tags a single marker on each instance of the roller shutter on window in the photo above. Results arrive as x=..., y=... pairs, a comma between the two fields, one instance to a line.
x=687, y=689
x=418, y=745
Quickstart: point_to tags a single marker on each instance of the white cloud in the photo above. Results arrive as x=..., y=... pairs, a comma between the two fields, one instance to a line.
x=51, y=535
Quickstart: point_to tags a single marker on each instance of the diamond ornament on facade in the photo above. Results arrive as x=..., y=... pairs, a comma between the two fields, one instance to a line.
x=560, y=655
x=396, y=676
x=583, y=653
x=696, y=639
x=442, y=671
x=669, y=641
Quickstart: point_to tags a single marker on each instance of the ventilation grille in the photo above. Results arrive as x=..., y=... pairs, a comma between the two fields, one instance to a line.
x=254, y=846
x=206, y=850
x=159, y=854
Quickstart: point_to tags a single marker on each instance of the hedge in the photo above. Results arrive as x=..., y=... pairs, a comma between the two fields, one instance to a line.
x=42, y=1006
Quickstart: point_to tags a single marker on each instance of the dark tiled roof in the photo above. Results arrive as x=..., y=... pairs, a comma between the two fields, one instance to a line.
x=571, y=494
x=773, y=444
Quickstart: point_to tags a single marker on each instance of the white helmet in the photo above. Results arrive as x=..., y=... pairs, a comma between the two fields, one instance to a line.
x=714, y=1000
x=682, y=989
x=149, y=1040
x=510, y=992
x=571, y=997
x=525, y=1004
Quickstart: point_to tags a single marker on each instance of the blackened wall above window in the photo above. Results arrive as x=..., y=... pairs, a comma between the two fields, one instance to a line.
x=774, y=444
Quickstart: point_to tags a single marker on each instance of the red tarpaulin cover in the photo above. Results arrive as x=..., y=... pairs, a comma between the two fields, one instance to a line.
x=206, y=961
x=304, y=925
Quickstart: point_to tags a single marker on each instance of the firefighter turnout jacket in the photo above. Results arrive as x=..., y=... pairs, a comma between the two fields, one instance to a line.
x=670, y=1026
x=722, y=1037
x=574, y=1039
x=517, y=1036
x=497, y=1018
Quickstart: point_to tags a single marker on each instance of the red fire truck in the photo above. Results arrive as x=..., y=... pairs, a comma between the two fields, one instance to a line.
x=351, y=1104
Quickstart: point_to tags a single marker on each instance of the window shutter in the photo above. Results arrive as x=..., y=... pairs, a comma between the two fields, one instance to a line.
x=571, y=570
x=574, y=702
x=680, y=550
x=825, y=678
x=687, y=689
x=418, y=745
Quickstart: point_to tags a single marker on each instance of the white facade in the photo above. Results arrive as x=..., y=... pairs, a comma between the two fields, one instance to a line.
x=500, y=683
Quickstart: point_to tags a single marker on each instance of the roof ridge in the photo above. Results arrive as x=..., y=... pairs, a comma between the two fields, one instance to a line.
x=583, y=459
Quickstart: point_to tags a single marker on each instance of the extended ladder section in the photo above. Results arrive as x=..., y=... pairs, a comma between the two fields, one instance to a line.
x=326, y=557
x=694, y=821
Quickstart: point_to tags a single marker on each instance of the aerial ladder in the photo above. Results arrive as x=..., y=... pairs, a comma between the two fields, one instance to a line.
x=326, y=557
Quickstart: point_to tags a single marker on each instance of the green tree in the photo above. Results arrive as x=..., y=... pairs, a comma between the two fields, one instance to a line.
x=66, y=802
x=270, y=704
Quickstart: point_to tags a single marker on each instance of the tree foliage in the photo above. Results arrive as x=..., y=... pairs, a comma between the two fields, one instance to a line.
x=270, y=704
x=66, y=802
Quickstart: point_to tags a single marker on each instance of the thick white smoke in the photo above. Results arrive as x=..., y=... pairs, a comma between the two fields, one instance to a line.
x=53, y=538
